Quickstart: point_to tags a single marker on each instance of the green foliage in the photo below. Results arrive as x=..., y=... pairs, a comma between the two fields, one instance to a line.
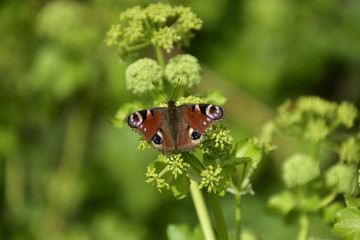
x=311, y=188
x=66, y=174
x=347, y=224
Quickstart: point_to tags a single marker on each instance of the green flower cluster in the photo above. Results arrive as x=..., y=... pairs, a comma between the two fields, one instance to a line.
x=189, y=100
x=311, y=188
x=158, y=24
x=299, y=170
x=156, y=179
x=217, y=142
x=342, y=178
x=184, y=67
x=140, y=74
x=143, y=144
x=350, y=151
x=310, y=118
x=168, y=171
x=210, y=178
x=176, y=165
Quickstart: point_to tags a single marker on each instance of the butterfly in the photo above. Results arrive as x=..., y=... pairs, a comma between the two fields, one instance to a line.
x=175, y=127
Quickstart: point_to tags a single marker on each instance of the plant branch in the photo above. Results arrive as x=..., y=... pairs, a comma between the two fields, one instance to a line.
x=160, y=57
x=304, y=227
x=201, y=211
x=238, y=201
x=137, y=47
x=219, y=217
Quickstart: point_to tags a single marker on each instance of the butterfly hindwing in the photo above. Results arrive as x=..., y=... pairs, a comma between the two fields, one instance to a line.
x=152, y=124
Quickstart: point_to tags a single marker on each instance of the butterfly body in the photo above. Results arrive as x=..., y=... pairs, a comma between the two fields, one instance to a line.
x=175, y=127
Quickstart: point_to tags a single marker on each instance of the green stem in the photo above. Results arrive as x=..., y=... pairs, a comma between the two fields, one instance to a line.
x=238, y=200
x=303, y=218
x=201, y=211
x=328, y=199
x=160, y=56
x=219, y=217
x=137, y=47
x=193, y=161
x=304, y=227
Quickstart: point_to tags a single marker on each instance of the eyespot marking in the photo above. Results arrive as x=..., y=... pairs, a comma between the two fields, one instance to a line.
x=214, y=112
x=157, y=138
x=194, y=134
x=135, y=119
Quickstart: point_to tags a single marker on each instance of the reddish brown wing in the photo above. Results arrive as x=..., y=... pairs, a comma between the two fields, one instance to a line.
x=201, y=116
x=195, y=120
x=147, y=122
x=153, y=125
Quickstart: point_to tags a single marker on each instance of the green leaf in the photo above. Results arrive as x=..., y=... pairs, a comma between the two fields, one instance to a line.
x=208, y=159
x=180, y=186
x=347, y=224
x=282, y=203
x=352, y=202
x=329, y=212
x=247, y=149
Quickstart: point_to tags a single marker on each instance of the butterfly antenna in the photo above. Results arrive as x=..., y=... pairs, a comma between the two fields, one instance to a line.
x=160, y=91
x=176, y=87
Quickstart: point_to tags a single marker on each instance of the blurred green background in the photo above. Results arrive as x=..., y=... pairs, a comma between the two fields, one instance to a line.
x=67, y=173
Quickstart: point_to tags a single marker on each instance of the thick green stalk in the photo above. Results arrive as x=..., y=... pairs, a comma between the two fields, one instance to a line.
x=160, y=57
x=219, y=217
x=328, y=199
x=238, y=200
x=304, y=227
x=303, y=218
x=201, y=211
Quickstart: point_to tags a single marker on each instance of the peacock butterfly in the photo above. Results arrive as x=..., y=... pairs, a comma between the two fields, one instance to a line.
x=175, y=127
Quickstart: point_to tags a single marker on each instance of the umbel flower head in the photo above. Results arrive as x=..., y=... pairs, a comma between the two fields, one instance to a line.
x=314, y=118
x=184, y=67
x=217, y=142
x=140, y=75
x=160, y=25
x=300, y=169
x=210, y=178
x=343, y=179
